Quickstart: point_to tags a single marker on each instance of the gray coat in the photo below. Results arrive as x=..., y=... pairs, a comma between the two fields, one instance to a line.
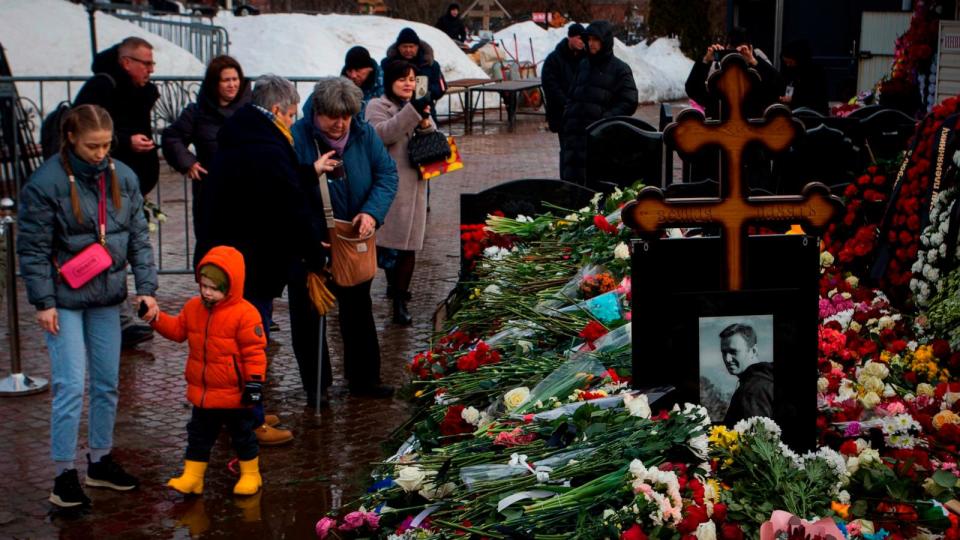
x=49, y=230
x=406, y=221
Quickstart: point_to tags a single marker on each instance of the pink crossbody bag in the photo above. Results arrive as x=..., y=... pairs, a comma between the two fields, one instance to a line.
x=93, y=259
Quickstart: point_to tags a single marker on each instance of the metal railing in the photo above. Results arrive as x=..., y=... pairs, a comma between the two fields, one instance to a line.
x=205, y=41
x=38, y=96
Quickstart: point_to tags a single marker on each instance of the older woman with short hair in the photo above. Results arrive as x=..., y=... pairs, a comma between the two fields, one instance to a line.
x=362, y=180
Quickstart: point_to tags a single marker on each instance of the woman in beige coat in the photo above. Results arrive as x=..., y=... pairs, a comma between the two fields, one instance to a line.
x=397, y=116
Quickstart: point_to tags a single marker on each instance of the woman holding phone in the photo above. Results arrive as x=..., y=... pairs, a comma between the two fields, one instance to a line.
x=397, y=116
x=82, y=202
x=362, y=181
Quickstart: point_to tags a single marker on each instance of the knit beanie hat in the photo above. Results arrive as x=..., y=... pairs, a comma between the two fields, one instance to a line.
x=396, y=69
x=215, y=274
x=358, y=57
x=407, y=35
x=575, y=29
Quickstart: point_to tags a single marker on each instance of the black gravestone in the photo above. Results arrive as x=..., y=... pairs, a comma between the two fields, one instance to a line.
x=679, y=282
x=622, y=152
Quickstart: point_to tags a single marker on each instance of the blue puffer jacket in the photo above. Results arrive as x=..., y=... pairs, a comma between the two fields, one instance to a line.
x=49, y=230
x=371, y=172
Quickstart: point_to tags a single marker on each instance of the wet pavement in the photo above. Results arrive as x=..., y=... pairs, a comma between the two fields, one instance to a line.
x=325, y=465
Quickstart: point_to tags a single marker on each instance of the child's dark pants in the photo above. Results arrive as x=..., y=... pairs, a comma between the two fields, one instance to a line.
x=204, y=428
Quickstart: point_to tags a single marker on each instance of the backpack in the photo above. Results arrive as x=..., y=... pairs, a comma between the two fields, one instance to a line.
x=52, y=124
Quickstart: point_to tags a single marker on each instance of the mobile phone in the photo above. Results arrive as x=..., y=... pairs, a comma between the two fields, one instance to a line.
x=143, y=309
x=421, y=90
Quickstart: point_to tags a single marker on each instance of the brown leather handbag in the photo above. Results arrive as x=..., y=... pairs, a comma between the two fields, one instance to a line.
x=353, y=259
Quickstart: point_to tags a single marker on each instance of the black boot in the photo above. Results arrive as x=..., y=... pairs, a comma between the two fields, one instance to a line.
x=400, y=313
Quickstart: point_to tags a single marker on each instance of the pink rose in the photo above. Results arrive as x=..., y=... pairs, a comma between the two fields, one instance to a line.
x=351, y=521
x=324, y=526
x=372, y=519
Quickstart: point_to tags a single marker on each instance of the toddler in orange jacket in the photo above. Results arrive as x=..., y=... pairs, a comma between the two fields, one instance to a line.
x=225, y=370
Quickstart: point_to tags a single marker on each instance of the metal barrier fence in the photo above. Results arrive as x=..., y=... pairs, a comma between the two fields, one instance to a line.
x=205, y=41
x=38, y=96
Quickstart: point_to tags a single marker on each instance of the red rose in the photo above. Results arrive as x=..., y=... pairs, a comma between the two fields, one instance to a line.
x=849, y=448
x=592, y=331
x=693, y=515
x=730, y=531
x=467, y=362
x=720, y=512
x=633, y=533
x=941, y=348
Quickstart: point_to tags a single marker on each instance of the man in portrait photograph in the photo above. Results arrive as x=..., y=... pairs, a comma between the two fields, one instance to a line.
x=754, y=393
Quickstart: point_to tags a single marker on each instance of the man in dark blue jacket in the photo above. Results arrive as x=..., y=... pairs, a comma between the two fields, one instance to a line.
x=409, y=47
x=557, y=74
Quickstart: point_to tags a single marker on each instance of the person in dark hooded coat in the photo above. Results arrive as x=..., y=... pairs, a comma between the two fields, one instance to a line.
x=223, y=91
x=409, y=47
x=557, y=74
x=806, y=85
x=365, y=73
x=121, y=85
x=604, y=87
x=452, y=25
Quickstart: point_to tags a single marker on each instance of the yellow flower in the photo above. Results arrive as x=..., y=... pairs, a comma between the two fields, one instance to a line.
x=419, y=393
x=945, y=417
x=842, y=510
x=722, y=437
x=885, y=357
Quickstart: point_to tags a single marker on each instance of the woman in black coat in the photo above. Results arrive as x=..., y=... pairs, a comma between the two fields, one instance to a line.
x=603, y=87
x=223, y=91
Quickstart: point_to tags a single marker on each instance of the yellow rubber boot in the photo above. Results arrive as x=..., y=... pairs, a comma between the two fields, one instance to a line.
x=250, y=480
x=191, y=481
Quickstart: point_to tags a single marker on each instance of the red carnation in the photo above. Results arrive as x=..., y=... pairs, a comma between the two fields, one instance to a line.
x=720, y=512
x=604, y=225
x=592, y=331
x=694, y=515
x=730, y=531
x=849, y=448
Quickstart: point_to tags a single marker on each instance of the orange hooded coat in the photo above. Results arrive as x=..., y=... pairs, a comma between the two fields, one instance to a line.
x=227, y=343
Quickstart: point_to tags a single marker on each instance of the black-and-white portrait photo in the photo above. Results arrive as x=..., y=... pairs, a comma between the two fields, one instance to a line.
x=736, y=367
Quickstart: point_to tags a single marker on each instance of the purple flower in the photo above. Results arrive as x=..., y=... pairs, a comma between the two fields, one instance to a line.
x=852, y=430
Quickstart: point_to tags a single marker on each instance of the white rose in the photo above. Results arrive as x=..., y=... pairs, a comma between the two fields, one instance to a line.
x=853, y=281
x=622, y=251
x=822, y=384
x=885, y=322
x=471, y=416
x=431, y=492
x=637, y=405
x=826, y=259
x=637, y=468
x=572, y=217
x=853, y=464
x=876, y=369
x=855, y=326
x=870, y=401
x=410, y=478
x=871, y=384
x=706, y=531
x=516, y=397
x=843, y=497
x=924, y=389
x=869, y=455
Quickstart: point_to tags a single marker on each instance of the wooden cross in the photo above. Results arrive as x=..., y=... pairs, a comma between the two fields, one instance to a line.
x=734, y=208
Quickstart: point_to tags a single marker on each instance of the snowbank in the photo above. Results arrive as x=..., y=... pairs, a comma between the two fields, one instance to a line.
x=660, y=69
x=299, y=45
x=52, y=37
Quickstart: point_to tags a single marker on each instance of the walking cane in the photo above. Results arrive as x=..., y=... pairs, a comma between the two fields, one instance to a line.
x=323, y=333
x=321, y=296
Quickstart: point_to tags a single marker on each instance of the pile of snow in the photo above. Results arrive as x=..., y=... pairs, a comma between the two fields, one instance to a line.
x=299, y=45
x=52, y=37
x=660, y=69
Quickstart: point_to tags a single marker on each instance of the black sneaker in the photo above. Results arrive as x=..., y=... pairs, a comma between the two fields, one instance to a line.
x=135, y=334
x=67, y=492
x=109, y=474
x=376, y=391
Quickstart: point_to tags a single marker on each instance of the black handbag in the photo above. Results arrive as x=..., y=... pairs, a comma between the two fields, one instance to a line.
x=426, y=148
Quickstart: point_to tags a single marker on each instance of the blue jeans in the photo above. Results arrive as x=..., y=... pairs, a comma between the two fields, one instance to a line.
x=88, y=339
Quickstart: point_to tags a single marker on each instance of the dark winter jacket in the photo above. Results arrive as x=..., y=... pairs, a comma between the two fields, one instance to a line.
x=198, y=125
x=256, y=199
x=557, y=74
x=807, y=79
x=753, y=396
x=130, y=107
x=371, y=173
x=768, y=93
x=372, y=87
x=49, y=231
x=453, y=27
x=604, y=87
x=425, y=65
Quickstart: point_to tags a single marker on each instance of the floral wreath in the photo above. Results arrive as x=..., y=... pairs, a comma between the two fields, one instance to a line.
x=912, y=191
x=853, y=239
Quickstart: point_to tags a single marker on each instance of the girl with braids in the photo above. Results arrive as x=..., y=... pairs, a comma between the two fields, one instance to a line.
x=61, y=208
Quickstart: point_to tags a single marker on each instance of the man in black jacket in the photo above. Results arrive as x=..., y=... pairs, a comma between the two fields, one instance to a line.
x=755, y=389
x=557, y=74
x=121, y=85
x=604, y=87
x=452, y=25
x=738, y=41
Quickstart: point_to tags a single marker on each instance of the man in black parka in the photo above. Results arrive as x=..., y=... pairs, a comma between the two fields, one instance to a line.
x=121, y=85
x=604, y=87
x=452, y=25
x=557, y=74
